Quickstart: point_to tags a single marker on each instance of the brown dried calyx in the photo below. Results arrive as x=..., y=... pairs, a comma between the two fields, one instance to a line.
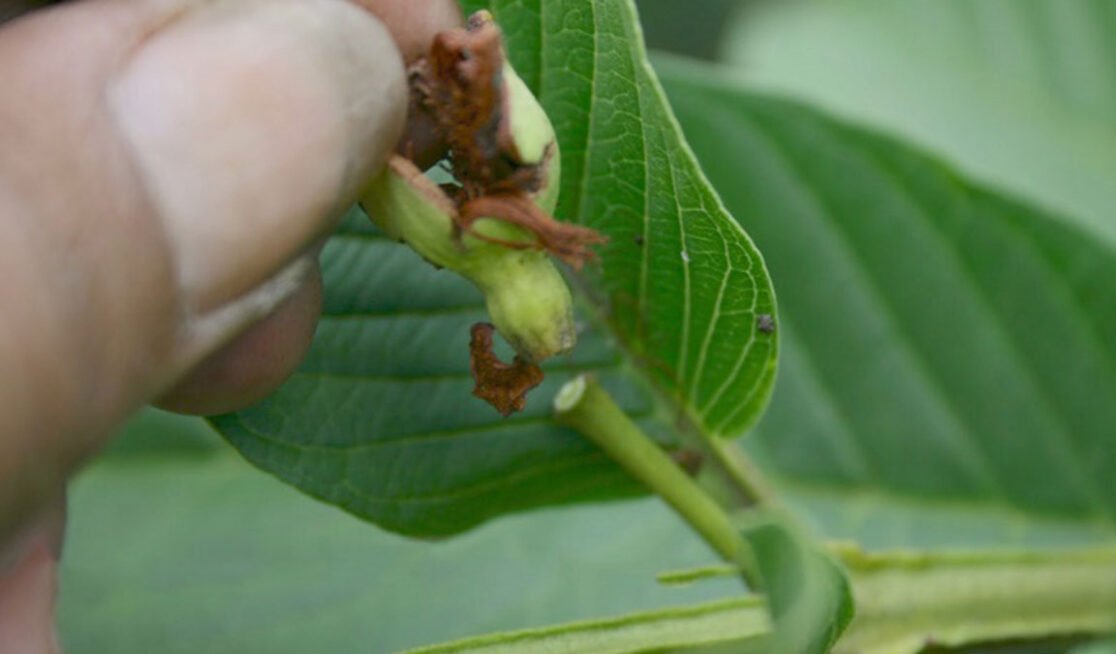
x=461, y=91
x=568, y=242
x=501, y=385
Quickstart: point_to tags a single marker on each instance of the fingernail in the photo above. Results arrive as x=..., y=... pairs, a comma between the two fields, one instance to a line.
x=253, y=125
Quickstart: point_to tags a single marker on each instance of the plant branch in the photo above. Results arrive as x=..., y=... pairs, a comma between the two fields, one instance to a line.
x=728, y=474
x=585, y=406
x=735, y=470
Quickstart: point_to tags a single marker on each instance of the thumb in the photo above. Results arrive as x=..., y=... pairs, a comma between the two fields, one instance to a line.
x=249, y=123
x=165, y=158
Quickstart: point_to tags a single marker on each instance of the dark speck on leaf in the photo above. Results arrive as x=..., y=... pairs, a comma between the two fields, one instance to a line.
x=638, y=240
x=765, y=322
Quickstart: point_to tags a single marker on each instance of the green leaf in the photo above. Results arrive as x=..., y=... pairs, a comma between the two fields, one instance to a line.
x=957, y=599
x=380, y=418
x=1008, y=601
x=945, y=348
x=807, y=593
x=1021, y=93
x=177, y=553
x=683, y=281
x=736, y=625
x=380, y=421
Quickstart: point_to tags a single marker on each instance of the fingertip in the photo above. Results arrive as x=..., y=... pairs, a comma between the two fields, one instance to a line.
x=253, y=124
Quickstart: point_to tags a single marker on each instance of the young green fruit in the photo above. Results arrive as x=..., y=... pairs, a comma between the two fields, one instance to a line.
x=527, y=298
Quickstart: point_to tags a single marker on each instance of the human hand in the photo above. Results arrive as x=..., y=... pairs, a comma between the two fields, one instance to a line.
x=168, y=170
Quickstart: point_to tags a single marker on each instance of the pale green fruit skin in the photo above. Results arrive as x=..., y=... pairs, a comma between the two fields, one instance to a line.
x=528, y=301
x=535, y=141
x=530, y=305
x=534, y=136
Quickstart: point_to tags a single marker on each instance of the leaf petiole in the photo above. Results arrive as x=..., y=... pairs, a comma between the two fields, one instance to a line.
x=584, y=405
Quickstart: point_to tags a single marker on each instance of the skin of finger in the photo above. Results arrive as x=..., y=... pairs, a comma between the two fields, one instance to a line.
x=288, y=110
x=82, y=256
x=255, y=363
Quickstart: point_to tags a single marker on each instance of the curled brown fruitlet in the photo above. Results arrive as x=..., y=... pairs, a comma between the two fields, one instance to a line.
x=501, y=385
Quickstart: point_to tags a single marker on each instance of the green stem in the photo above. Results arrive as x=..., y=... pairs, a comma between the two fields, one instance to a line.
x=583, y=405
x=905, y=599
x=727, y=473
x=735, y=471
